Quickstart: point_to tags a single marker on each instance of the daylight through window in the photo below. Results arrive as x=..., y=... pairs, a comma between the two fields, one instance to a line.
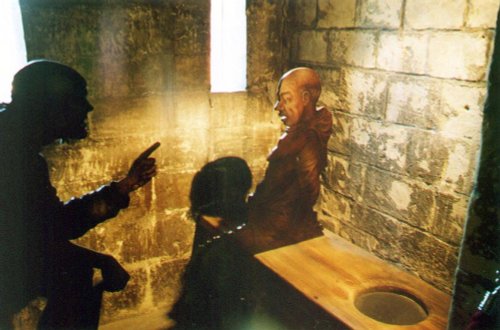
x=228, y=46
x=13, y=54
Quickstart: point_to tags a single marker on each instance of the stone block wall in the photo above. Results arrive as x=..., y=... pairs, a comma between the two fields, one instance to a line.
x=147, y=68
x=406, y=82
x=124, y=48
x=406, y=87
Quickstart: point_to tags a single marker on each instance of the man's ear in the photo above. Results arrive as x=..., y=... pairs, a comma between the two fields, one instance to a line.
x=306, y=96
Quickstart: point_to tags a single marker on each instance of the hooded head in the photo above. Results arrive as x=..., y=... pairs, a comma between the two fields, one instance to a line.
x=220, y=189
x=51, y=100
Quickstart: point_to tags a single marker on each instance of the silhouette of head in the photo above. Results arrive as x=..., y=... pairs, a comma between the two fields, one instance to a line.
x=298, y=92
x=220, y=189
x=51, y=97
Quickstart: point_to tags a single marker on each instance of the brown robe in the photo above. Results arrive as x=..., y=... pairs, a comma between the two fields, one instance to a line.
x=281, y=209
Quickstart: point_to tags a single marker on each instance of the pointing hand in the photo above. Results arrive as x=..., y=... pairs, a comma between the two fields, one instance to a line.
x=142, y=170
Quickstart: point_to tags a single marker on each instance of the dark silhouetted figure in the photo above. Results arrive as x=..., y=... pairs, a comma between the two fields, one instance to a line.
x=49, y=102
x=217, y=283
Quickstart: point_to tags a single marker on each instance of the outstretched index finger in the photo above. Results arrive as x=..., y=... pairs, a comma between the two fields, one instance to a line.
x=149, y=151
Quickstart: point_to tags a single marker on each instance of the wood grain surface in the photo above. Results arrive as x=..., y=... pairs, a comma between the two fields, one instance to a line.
x=332, y=272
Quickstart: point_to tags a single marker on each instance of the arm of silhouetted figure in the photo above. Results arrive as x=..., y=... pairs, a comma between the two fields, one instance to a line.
x=78, y=215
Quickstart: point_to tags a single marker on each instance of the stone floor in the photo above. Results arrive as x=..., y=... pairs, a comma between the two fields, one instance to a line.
x=152, y=321
x=27, y=319
x=157, y=321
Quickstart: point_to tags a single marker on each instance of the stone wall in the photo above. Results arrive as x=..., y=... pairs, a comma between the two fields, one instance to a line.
x=405, y=81
x=406, y=87
x=147, y=67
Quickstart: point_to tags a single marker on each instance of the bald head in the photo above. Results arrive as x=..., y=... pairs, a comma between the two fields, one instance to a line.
x=305, y=79
x=298, y=92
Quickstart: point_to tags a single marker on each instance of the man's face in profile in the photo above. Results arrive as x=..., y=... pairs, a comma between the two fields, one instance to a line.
x=75, y=108
x=290, y=104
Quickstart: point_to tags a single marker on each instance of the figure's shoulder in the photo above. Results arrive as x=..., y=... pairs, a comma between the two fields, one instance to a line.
x=323, y=115
x=323, y=121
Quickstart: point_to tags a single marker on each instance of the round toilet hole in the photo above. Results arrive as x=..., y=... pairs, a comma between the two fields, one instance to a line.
x=391, y=307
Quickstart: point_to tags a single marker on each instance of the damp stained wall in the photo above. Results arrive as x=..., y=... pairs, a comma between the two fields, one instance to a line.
x=406, y=86
x=147, y=67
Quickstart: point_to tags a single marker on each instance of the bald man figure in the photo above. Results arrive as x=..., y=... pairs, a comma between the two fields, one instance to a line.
x=281, y=209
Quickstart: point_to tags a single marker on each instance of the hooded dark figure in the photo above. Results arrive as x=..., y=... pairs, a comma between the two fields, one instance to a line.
x=49, y=102
x=217, y=282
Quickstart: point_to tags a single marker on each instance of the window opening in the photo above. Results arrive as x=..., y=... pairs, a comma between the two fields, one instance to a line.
x=13, y=54
x=228, y=49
